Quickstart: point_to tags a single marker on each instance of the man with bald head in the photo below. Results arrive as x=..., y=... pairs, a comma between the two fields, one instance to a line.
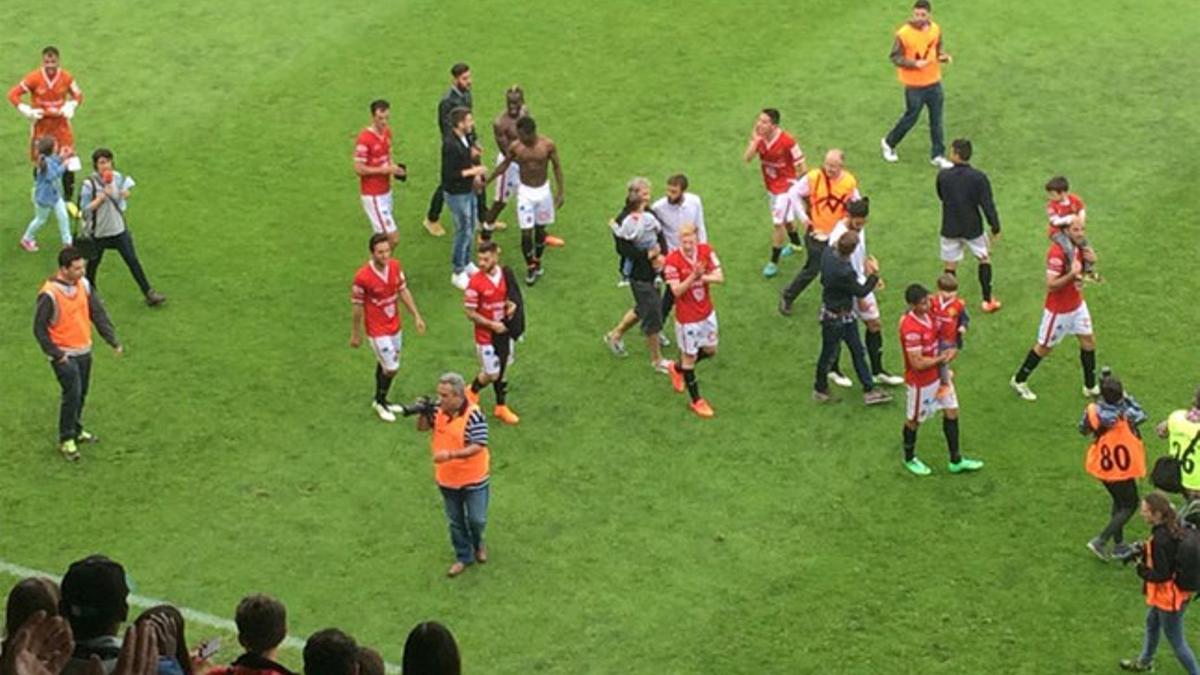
x=825, y=192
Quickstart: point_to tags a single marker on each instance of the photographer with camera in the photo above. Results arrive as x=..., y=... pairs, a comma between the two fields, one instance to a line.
x=1116, y=457
x=460, y=465
x=1158, y=566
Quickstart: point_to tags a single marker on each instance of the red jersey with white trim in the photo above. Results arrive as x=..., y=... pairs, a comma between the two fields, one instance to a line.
x=374, y=150
x=1068, y=297
x=947, y=316
x=919, y=333
x=696, y=304
x=779, y=162
x=487, y=295
x=1059, y=211
x=377, y=293
x=48, y=94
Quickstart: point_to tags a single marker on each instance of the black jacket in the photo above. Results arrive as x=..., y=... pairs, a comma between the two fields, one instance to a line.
x=1164, y=549
x=839, y=283
x=456, y=157
x=453, y=99
x=964, y=191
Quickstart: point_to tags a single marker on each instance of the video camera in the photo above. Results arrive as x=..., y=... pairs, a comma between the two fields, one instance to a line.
x=425, y=406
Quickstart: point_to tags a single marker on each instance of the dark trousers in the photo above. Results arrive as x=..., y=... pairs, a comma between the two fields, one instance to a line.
x=835, y=331
x=914, y=99
x=668, y=301
x=437, y=201
x=73, y=377
x=810, y=271
x=123, y=243
x=1124, y=503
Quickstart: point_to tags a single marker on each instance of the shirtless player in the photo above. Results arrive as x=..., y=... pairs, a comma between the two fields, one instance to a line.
x=505, y=131
x=535, y=206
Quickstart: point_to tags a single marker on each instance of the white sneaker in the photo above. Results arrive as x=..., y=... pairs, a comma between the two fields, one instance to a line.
x=663, y=340
x=1022, y=389
x=889, y=379
x=471, y=270
x=663, y=366
x=395, y=407
x=941, y=162
x=1091, y=393
x=889, y=153
x=460, y=280
x=383, y=412
x=841, y=380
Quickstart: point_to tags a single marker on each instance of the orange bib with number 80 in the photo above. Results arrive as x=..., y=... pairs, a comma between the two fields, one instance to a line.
x=1118, y=454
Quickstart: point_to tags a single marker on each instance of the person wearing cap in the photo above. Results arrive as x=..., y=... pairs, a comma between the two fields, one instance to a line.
x=67, y=306
x=94, y=602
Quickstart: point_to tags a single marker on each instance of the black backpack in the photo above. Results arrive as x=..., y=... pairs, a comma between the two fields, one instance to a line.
x=1187, y=560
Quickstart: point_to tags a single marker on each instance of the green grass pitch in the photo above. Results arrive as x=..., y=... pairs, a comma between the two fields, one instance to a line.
x=627, y=536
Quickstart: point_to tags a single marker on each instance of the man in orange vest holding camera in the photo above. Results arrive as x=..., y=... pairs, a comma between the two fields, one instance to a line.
x=67, y=306
x=918, y=57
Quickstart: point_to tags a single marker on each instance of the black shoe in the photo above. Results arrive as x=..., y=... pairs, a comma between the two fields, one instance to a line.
x=531, y=276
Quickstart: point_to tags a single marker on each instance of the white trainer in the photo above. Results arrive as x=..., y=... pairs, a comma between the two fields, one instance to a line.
x=471, y=269
x=1022, y=389
x=383, y=412
x=889, y=153
x=1091, y=393
x=841, y=380
x=460, y=280
x=889, y=379
x=941, y=162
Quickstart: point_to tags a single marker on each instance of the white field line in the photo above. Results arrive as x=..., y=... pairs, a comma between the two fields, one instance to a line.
x=192, y=616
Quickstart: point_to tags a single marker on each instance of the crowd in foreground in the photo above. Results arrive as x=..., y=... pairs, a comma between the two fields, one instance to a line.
x=75, y=629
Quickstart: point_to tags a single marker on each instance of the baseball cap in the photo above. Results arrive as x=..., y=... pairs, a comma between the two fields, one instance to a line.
x=95, y=588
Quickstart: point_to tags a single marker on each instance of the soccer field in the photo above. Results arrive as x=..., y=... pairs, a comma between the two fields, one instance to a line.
x=626, y=535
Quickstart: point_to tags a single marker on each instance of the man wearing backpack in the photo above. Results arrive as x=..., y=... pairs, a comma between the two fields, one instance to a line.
x=1117, y=458
x=102, y=200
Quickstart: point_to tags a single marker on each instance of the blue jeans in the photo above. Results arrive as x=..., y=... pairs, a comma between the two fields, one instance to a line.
x=914, y=99
x=464, y=208
x=466, y=509
x=1171, y=623
x=834, y=331
x=42, y=213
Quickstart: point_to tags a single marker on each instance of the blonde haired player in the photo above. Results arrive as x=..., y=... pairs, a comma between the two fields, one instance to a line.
x=689, y=270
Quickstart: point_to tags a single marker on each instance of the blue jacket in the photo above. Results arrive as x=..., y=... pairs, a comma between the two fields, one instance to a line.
x=46, y=189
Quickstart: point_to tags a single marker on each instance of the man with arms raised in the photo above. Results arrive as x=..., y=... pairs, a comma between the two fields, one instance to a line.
x=375, y=168
x=689, y=271
x=782, y=160
x=535, y=205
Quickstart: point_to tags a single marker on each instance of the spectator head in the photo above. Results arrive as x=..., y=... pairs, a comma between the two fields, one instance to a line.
x=917, y=297
x=461, y=73
x=101, y=154
x=330, y=652
x=947, y=282
x=527, y=129
x=676, y=186
x=847, y=243
x=1058, y=186
x=460, y=118
x=261, y=622
x=637, y=193
x=452, y=392
x=430, y=650
x=168, y=626
x=1111, y=389
x=27, y=597
x=45, y=146
x=514, y=100
x=370, y=662
x=960, y=150
x=94, y=590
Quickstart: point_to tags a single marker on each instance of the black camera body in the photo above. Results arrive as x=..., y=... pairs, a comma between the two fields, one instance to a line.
x=1137, y=551
x=424, y=406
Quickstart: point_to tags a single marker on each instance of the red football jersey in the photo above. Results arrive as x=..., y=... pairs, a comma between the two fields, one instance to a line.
x=48, y=94
x=1058, y=211
x=917, y=332
x=487, y=295
x=947, y=316
x=377, y=294
x=779, y=162
x=374, y=149
x=696, y=304
x=1067, y=298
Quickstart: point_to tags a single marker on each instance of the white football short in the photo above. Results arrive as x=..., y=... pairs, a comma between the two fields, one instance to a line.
x=867, y=308
x=507, y=185
x=535, y=205
x=923, y=401
x=1058, y=325
x=691, y=337
x=952, y=249
x=489, y=362
x=785, y=206
x=379, y=212
x=387, y=350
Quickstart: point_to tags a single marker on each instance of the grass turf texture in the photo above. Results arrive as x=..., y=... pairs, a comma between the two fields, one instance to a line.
x=626, y=535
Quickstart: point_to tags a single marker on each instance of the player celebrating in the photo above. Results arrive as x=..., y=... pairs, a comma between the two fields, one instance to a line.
x=505, y=131
x=487, y=304
x=377, y=285
x=535, y=206
x=782, y=160
x=919, y=335
x=1066, y=313
x=50, y=110
x=375, y=168
x=689, y=270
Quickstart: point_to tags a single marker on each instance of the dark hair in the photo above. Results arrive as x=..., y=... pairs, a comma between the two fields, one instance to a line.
x=847, y=243
x=94, y=590
x=330, y=652
x=514, y=93
x=915, y=293
x=261, y=621
x=45, y=146
x=488, y=246
x=458, y=114
x=948, y=282
x=923, y=4
x=1160, y=505
x=1058, y=184
x=430, y=650
x=172, y=641
x=859, y=208
x=459, y=68
x=380, y=104
x=1111, y=389
x=370, y=662
x=50, y=49
x=99, y=154
x=26, y=598
x=962, y=148
x=68, y=255
x=772, y=113
x=678, y=180
x=526, y=126
x=376, y=239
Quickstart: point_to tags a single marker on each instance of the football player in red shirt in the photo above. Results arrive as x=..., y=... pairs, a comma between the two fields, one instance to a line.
x=1063, y=208
x=688, y=270
x=375, y=168
x=50, y=110
x=919, y=337
x=487, y=305
x=951, y=318
x=782, y=160
x=1066, y=313
x=377, y=285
